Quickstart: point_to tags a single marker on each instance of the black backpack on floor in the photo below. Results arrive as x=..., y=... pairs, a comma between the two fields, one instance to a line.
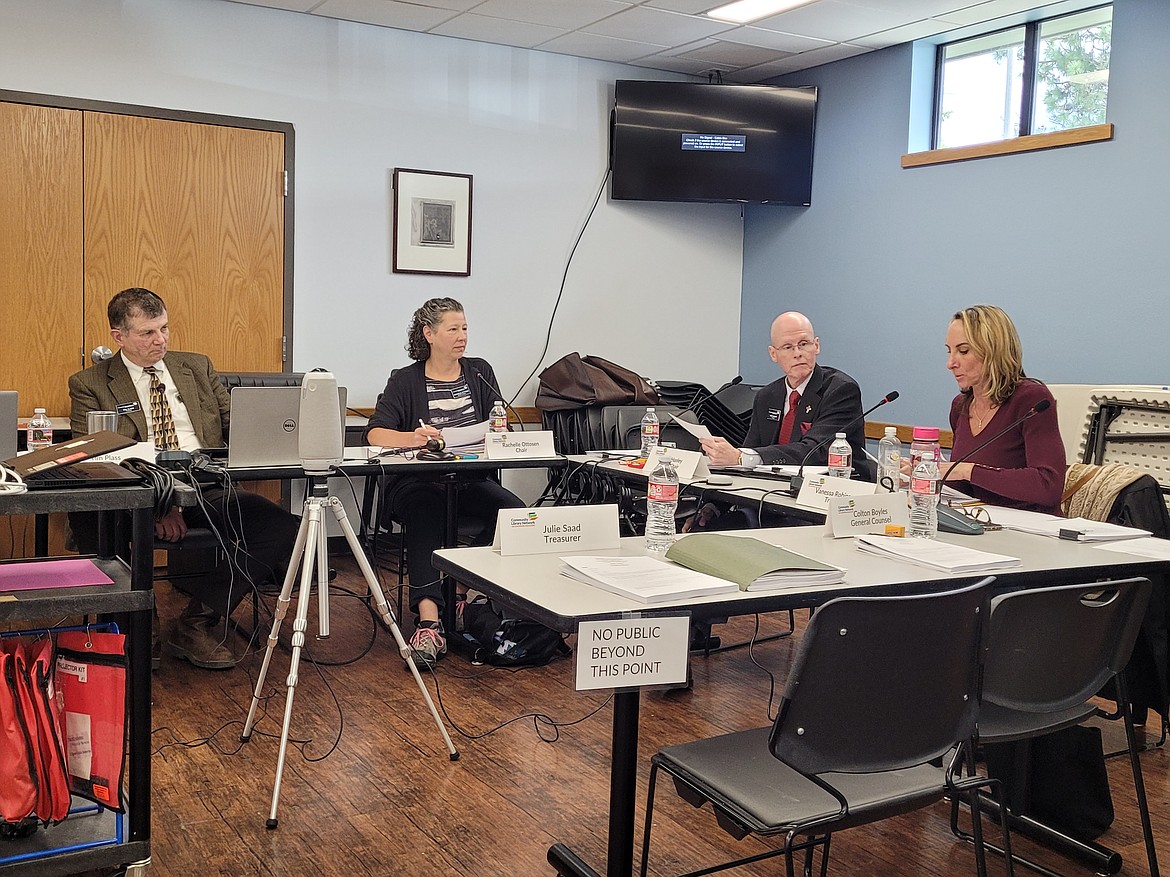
x=503, y=639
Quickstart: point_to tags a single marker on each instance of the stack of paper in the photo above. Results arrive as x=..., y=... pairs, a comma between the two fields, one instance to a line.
x=645, y=579
x=935, y=554
x=1081, y=529
x=752, y=564
x=465, y=438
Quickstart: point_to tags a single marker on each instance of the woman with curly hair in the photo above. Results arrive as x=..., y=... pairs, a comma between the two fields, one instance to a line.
x=442, y=389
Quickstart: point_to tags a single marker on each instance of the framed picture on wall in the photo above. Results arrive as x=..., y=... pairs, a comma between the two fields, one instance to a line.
x=432, y=222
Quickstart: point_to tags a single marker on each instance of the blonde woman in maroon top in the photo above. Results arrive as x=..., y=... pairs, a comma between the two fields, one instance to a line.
x=1025, y=467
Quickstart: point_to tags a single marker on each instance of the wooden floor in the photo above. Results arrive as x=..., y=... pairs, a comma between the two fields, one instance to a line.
x=369, y=788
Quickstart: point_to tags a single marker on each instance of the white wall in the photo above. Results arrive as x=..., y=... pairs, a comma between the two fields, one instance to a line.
x=653, y=286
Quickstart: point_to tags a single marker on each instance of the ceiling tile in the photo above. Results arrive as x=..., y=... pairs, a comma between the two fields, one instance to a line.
x=388, y=13
x=669, y=28
x=470, y=26
x=907, y=33
x=290, y=5
x=690, y=7
x=565, y=14
x=989, y=11
x=832, y=20
x=772, y=39
x=731, y=54
x=602, y=48
x=830, y=53
x=675, y=64
x=764, y=72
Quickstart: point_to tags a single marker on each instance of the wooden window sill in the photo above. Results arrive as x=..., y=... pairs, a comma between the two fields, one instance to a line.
x=1030, y=143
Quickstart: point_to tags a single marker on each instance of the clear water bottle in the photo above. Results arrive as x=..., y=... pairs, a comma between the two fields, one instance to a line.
x=649, y=433
x=840, y=457
x=498, y=419
x=890, y=461
x=925, y=439
x=40, y=430
x=661, y=502
x=924, y=492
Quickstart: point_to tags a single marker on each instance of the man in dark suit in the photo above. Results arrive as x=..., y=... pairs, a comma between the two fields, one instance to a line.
x=801, y=411
x=177, y=401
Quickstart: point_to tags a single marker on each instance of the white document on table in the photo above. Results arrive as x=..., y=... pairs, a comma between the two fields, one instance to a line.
x=935, y=554
x=1042, y=524
x=645, y=579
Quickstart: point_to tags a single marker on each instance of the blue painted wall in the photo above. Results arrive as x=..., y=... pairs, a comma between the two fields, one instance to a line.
x=1074, y=243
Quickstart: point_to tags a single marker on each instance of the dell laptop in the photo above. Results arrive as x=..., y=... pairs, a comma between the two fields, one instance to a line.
x=265, y=426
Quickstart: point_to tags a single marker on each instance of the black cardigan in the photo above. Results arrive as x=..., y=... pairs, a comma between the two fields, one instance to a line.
x=404, y=401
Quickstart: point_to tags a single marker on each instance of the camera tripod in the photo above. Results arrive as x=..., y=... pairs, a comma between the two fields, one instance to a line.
x=311, y=545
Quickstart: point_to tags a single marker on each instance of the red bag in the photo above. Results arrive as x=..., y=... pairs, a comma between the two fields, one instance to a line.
x=18, y=779
x=91, y=685
x=54, y=796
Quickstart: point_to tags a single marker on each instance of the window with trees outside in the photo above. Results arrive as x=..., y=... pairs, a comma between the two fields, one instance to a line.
x=1048, y=75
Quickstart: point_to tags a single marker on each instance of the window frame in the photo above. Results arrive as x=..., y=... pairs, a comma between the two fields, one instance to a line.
x=1028, y=96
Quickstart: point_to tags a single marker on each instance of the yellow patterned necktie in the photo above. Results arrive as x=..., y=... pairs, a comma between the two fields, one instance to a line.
x=161, y=418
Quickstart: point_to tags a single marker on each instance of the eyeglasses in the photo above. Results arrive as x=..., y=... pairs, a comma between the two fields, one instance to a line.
x=802, y=346
x=980, y=514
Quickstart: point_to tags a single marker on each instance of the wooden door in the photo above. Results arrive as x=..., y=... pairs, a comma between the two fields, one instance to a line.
x=194, y=212
x=40, y=253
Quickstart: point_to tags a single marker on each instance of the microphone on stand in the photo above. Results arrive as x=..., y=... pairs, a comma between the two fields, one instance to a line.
x=798, y=479
x=1042, y=405
x=738, y=379
x=501, y=396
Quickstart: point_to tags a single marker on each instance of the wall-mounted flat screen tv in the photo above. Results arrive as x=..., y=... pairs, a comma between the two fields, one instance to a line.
x=689, y=141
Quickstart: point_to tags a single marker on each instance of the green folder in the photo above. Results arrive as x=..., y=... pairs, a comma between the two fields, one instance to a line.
x=752, y=564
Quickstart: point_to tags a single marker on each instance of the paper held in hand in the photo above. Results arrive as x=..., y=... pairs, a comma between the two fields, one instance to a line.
x=936, y=554
x=643, y=579
x=754, y=565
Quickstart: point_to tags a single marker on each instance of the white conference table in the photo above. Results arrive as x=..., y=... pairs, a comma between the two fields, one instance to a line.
x=533, y=585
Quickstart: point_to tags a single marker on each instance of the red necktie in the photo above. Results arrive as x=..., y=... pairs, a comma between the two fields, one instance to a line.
x=789, y=420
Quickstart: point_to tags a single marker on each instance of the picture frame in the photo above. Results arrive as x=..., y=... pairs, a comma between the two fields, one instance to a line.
x=432, y=222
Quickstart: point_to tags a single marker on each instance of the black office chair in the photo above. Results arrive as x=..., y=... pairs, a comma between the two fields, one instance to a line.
x=883, y=690
x=1050, y=650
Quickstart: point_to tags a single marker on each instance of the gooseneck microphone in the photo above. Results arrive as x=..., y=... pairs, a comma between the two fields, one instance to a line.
x=798, y=479
x=738, y=379
x=1042, y=405
x=500, y=396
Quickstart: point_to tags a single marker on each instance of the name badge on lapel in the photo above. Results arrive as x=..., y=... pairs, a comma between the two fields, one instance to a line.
x=128, y=407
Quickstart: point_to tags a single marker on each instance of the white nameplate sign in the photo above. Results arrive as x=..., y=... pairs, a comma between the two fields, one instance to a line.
x=557, y=529
x=818, y=491
x=882, y=513
x=518, y=445
x=629, y=652
x=689, y=465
